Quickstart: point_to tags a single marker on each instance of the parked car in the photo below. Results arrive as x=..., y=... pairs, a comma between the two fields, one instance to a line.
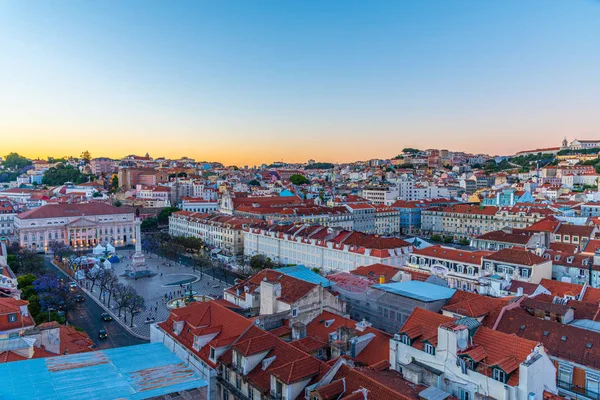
x=72, y=285
x=106, y=316
x=79, y=298
x=102, y=334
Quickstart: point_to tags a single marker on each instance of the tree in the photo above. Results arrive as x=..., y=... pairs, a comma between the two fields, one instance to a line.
x=96, y=194
x=319, y=165
x=254, y=182
x=202, y=261
x=60, y=174
x=117, y=203
x=23, y=261
x=86, y=156
x=135, y=304
x=14, y=161
x=115, y=182
x=26, y=280
x=259, y=262
x=54, y=294
x=165, y=213
x=92, y=275
x=106, y=280
x=410, y=150
x=298, y=179
x=149, y=224
x=122, y=294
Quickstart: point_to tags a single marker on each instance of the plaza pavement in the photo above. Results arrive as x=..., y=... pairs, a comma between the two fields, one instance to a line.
x=154, y=289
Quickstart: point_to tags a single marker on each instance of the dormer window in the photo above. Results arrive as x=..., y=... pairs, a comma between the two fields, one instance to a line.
x=406, y=340
x=429, y=349
x=212, y=354
x=499, y=375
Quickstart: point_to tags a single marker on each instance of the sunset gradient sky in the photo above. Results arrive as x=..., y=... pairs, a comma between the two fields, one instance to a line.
x=246, y=82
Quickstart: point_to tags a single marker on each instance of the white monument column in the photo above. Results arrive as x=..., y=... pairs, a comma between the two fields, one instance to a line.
x=138, y=260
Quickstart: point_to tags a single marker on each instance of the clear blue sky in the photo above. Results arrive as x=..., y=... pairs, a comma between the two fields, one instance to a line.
x=254, y=81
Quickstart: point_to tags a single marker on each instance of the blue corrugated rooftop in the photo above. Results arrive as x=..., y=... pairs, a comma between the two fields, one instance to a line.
x=418, y=290
x=305, y=274
x=133, y=372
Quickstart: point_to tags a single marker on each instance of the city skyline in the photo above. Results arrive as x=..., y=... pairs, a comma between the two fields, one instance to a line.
x=335, y=81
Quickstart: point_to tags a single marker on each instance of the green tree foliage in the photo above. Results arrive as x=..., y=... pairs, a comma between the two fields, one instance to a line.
x=298, y=179
x=165, y=213
x=26, y=280
x=60, y=174
x=319, y=165
x=254, y=182
x=86, y=156
x=582, y=151
x=23, y=261
x=117, y=203
x=14, y=161
x=149, y=225
x=115, y=182
x=260, y=262
x=189, y=244
x=410, y=150
x=436, y=238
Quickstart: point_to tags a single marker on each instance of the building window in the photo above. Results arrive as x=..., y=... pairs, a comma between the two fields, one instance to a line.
x=405, y=339
x=499, y=375
x=592, y=384
x=294, y=312
x=212, y=353
x=565, y=375
x=429, y=349
x=525, y=273
x=12, y=317
x=464, y=394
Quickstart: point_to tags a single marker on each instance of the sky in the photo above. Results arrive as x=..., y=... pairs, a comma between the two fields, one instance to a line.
x=247, y=82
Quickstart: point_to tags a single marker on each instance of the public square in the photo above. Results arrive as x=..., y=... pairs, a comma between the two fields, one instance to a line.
x=170, y=281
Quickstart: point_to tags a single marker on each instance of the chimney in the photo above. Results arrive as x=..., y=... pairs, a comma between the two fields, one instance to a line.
x=298, y=330
x=338, y=349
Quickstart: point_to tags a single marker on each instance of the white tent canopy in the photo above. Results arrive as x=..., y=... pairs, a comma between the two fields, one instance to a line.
x=98, y=250
x=110, y=248
x=106, y=264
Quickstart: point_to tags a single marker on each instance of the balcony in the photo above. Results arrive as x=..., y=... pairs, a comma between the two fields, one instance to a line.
x=576, y=391
x=276, y=396
x=232, y=389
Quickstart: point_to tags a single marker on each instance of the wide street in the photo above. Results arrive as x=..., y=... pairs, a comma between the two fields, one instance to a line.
x=87, y=316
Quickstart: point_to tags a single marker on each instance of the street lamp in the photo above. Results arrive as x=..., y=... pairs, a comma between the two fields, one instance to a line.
x=50, y=309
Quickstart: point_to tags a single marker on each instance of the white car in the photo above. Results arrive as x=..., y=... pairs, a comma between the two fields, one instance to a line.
x=72, y=285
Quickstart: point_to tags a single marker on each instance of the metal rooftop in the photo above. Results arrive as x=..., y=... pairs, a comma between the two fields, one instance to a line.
x=417, y=290
x=134, y=372
x=305, y=274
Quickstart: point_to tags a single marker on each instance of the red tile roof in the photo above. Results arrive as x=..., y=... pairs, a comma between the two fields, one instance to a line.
x=325, y=323
x=374, y=271
x=72, y=210
x=561, y=289
x=516, y=256
x=9, y=306
x=477, y=306
x=562, y=341
x=448, y=253
x=505, y=351
x=206, y=314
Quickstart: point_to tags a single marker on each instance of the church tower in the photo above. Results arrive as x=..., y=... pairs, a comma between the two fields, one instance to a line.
x=565, y=144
